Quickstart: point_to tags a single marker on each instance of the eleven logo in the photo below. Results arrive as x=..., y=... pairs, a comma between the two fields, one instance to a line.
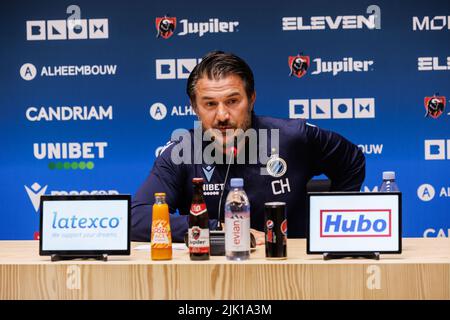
x=67, y=29
x=434, y=106
x=345, y=108
x=432, y=64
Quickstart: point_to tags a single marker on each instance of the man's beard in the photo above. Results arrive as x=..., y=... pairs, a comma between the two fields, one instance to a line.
x=227, y=139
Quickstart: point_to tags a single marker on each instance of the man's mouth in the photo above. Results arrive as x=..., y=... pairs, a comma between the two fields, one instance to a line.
x=224, y=129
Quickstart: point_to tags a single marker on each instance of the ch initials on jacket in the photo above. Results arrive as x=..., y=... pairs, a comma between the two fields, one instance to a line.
x=280, y=186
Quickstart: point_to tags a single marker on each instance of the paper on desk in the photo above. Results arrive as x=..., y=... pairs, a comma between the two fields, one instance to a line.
x=175, y=246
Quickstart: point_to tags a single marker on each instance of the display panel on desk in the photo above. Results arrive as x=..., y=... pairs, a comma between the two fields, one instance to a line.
x=85, y=224
x=346, y=222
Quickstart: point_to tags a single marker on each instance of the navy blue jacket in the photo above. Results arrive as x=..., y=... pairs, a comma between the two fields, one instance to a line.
x=306, y=150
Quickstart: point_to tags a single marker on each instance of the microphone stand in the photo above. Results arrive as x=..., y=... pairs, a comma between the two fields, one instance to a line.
x=217, y=236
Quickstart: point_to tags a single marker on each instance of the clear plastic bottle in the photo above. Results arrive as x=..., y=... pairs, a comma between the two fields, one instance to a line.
x=237, y=222
x=389, y=184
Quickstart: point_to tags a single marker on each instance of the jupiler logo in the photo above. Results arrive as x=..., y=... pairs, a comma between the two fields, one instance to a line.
x=299, y=65
x=166, y=26
x=434, y=106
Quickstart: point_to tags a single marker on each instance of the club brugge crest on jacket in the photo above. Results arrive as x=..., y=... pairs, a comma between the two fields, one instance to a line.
x=434, y=106
x=165, y=26
x=298, y=65
x=276, y=166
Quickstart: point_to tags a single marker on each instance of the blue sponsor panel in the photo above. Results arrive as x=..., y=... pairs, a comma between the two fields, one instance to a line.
x=90, y=96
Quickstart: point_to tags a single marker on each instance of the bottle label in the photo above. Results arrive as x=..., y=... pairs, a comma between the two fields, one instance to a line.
x=237, y=232
x=161, y=235
x=198, y=240
x=198, y=208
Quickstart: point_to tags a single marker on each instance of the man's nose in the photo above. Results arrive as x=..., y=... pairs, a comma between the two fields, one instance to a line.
x=222, y=113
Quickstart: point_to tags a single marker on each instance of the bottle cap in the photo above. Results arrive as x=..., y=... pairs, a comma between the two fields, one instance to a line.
x=197, y=180
x=237, y=182
x=388, y=175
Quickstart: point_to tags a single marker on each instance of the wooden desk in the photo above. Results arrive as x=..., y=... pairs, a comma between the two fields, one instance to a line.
x=421, y=272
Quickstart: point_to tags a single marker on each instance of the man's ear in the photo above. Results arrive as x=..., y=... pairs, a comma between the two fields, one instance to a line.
x=252, y=101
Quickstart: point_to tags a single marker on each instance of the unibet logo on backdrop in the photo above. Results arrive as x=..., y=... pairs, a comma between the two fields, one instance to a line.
x=426, y=192
x=28, y=71
x=175, y=68
x=342, y=108
x=300, y=64
x=85, y=152
x=165, y=27
x=437, y=149
x=67, y=29
x=158, y=111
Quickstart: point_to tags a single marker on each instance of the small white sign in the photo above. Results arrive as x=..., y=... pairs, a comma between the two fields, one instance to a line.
x=354, y=222
x=71, y=223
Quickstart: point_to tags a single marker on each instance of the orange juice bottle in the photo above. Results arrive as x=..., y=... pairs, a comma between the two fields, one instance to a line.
x=161, y=237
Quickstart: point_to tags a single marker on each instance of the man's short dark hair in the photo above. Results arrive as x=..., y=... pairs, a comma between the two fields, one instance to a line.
x=218, y=65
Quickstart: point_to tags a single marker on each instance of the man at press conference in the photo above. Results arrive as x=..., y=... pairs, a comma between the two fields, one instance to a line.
x=222, y=92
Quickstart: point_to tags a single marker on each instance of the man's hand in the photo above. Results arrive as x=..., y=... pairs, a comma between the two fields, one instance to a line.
x=260, y=236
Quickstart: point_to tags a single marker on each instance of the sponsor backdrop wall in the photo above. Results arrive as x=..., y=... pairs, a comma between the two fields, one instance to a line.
x=88, y=100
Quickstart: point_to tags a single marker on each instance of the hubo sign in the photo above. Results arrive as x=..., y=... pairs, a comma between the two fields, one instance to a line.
x=91, y=224
x=353, y=222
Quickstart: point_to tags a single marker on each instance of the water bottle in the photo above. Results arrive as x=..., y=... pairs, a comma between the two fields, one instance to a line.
x=389, y=184
x=237, y=222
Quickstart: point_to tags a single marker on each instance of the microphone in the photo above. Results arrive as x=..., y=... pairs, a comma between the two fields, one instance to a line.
x=232, y=153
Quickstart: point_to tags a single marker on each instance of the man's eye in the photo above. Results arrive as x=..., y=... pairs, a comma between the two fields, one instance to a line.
x=210, y=104
x=232, y=101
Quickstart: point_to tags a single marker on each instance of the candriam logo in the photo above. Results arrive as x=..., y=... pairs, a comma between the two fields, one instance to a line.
x=88, y=151
x=35, y=191
x=28, y=71
x=158, y=111
x=69, y=113
x=439, y=233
